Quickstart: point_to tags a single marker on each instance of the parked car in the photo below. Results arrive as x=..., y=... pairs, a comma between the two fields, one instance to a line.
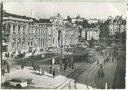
x=17, y=82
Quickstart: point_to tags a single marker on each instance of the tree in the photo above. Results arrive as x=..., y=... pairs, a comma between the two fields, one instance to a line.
x=85, y=24
x=69, y=19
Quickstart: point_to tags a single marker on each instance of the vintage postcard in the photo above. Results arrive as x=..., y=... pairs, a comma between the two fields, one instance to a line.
x=63, y=45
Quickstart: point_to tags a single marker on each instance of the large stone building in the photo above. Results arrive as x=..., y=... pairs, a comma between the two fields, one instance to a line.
x=21, y=33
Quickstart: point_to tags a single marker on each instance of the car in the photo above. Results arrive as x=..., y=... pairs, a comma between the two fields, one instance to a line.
x=17, y=82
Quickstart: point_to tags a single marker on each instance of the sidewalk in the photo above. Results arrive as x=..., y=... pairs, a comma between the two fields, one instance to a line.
x=44, y=81
x=109, y=73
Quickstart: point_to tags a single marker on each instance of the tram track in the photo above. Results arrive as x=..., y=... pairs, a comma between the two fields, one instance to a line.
x=90, y=81
x=91, y=69
x=75, y=74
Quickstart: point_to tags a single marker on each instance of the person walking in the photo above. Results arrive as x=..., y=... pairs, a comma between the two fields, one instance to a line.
x=50, y=69
x=39, y=69
x=8, y=67
x=42, y=71
x=12, y=55
x=99, y=73
x=58, y=70
x=3, y=71
x=98, y=62
x=22, y=65
x=53, y=72
x=6, y=55
x=102, y=73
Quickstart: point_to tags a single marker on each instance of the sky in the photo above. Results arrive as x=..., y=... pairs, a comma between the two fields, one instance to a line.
x=99, y=10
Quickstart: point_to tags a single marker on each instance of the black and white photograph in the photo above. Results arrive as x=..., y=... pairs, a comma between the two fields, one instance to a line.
x=63, y=45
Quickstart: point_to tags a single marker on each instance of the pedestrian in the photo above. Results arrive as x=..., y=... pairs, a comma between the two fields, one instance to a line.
x=12, y=55
x=101, y=66
x=3, y=72
x=39, y=69
x=99, y=73
x=8, y=67
x=104, y=61
x=42, y=71
x=64, y=67
x=35, y=67
x=102, y=73
x=22, y=66
x=50, y=69
x=98, y=62
x=53, y=72
x=6, y=55
x=58, y=70
x=32, y=65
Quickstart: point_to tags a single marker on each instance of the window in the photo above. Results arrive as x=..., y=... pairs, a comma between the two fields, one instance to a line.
x=36, y=31
x=14, y=28
x=53, y=40
x=32, y=31
x=31, y=43
x=23, y=29
x=19, y=29
x=39, y=31
x=28, y=30
x=23, y=40
x=28, y=41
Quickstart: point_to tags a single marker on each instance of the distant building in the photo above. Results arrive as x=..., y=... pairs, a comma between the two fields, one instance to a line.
x=92, y=33
x=111, y=29
x=71, y=35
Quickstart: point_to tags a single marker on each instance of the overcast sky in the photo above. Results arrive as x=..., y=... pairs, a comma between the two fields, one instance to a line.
x=84, y=9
